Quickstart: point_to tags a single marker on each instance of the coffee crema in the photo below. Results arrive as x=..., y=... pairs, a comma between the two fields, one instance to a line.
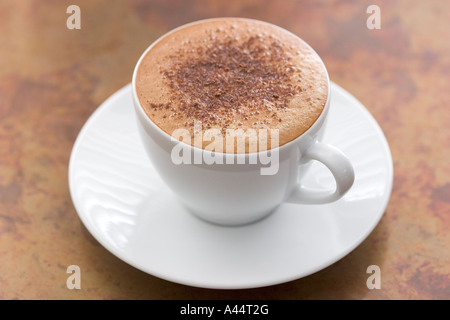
x=232, y=74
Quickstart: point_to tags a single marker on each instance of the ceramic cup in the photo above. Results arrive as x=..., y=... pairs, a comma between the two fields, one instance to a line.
x=237, y=191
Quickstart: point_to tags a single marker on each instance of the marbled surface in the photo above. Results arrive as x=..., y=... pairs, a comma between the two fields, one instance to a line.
x=52, y=79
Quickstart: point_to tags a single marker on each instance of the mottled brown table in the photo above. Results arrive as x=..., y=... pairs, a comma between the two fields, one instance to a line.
x=53, y=78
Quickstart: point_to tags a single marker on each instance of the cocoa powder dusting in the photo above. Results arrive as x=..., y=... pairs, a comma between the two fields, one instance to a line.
x=229, y=77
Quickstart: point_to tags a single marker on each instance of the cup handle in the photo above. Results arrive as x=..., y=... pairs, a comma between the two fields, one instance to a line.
x=339, y=165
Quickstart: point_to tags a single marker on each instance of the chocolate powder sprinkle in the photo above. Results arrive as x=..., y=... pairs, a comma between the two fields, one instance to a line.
x=226, y=76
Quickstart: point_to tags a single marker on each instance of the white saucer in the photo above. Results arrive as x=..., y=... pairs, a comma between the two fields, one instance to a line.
x=129, y=210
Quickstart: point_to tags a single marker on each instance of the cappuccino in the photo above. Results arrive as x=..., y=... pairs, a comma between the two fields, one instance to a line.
x=231, y=75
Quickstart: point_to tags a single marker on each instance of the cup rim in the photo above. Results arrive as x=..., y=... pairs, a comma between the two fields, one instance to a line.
x=279, y=149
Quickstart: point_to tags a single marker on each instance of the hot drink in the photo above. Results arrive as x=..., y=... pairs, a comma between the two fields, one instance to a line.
x=232, y=75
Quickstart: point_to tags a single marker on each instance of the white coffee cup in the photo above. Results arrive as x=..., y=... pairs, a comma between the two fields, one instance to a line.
x=236, y=194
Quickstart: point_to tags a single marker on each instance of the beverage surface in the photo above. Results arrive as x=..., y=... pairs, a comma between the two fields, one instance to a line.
x=232, y=75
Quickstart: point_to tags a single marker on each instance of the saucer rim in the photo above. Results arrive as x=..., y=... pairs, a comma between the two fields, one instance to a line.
x=258, y=284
